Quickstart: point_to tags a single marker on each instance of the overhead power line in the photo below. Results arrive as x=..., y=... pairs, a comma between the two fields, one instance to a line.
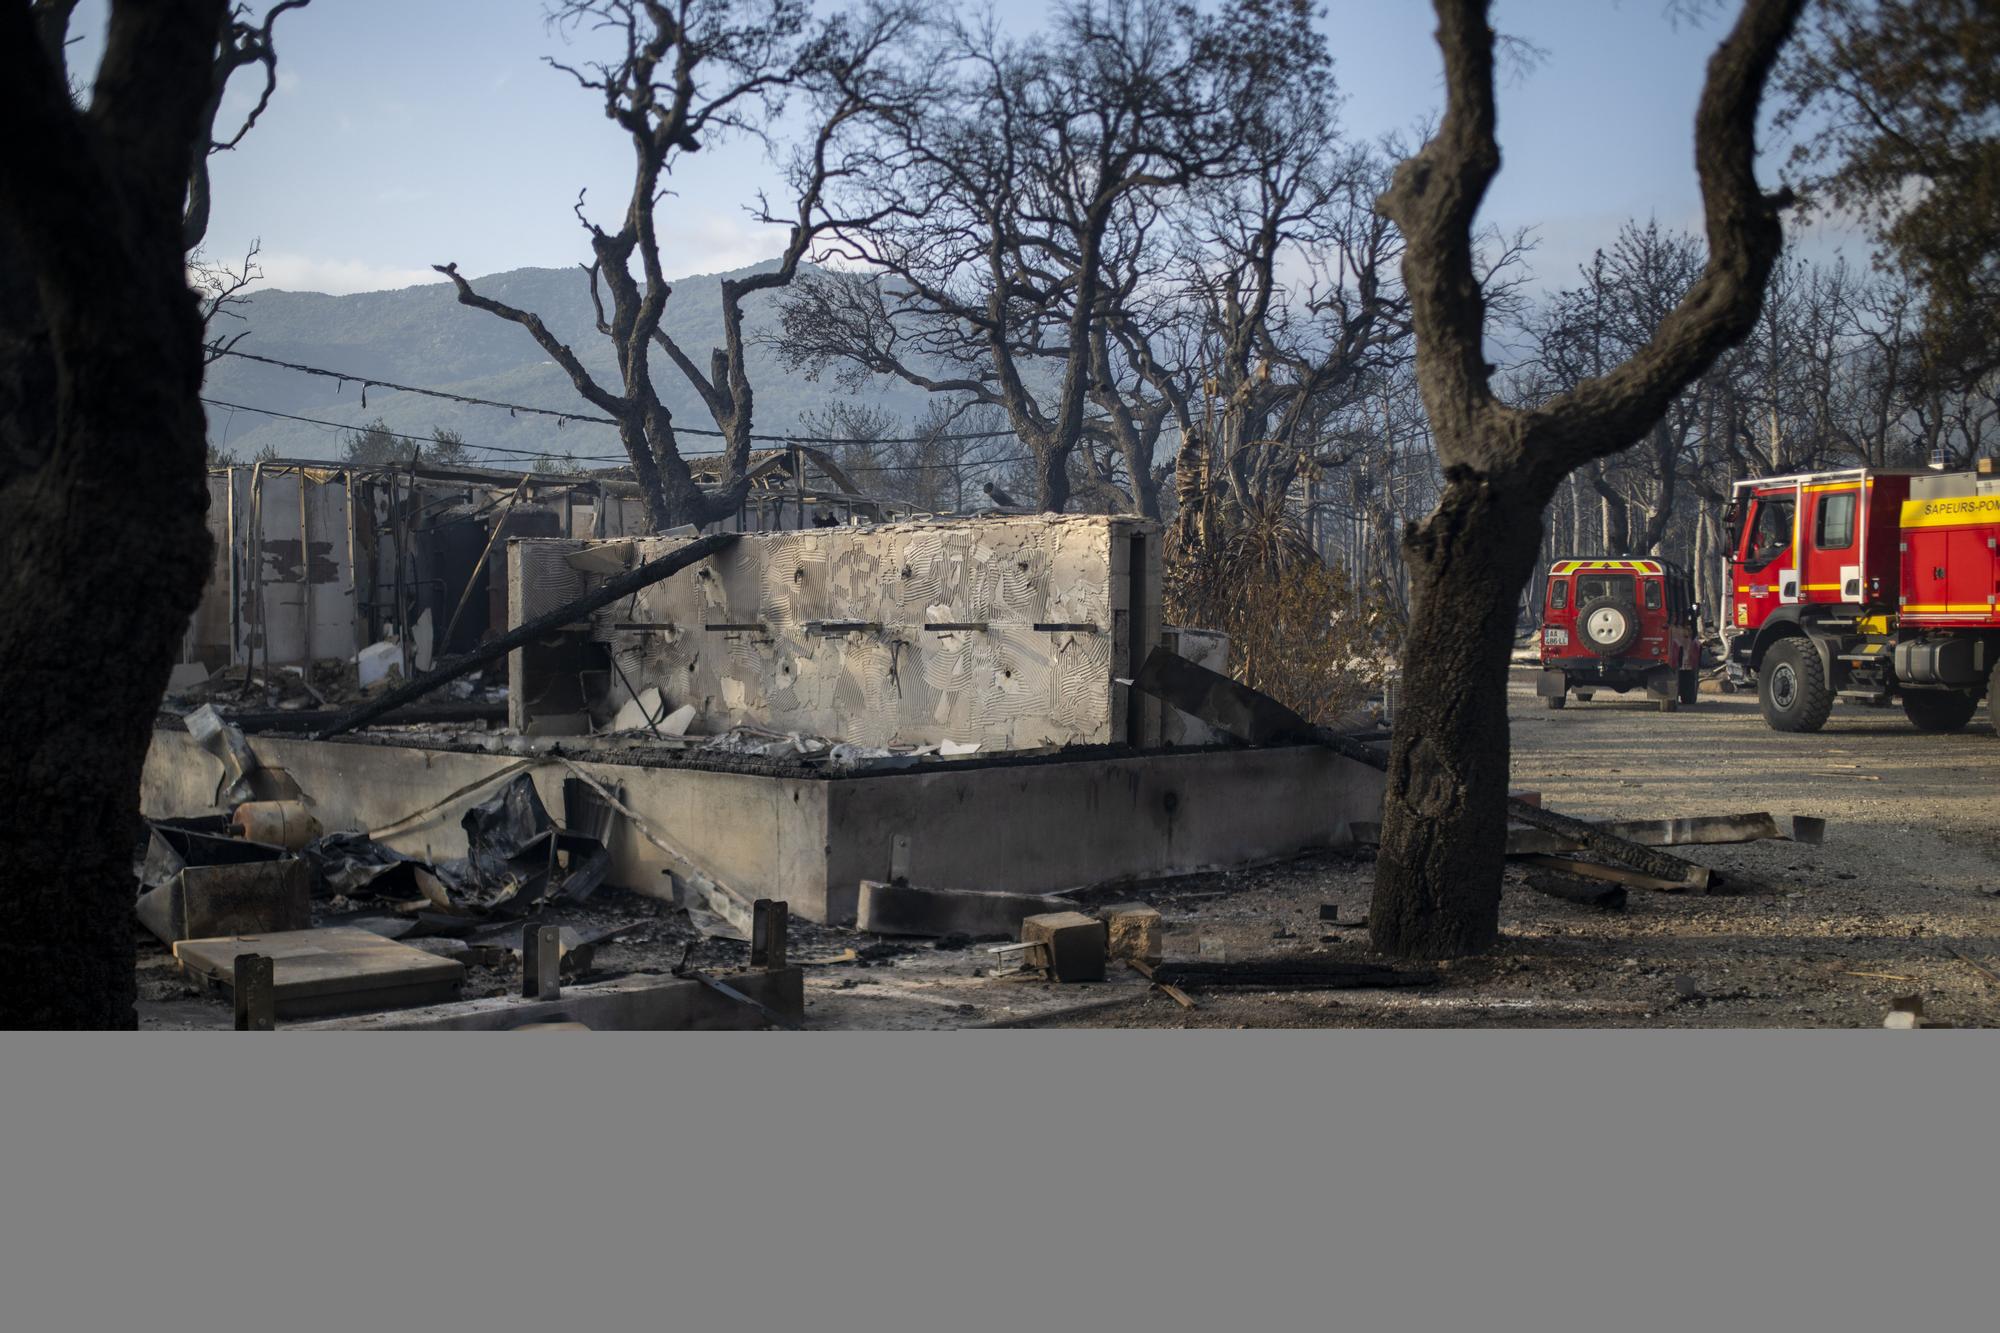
x=621, y=458
x=368, y=381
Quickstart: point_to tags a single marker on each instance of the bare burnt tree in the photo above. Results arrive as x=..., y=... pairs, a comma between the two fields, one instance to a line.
x=1583, y=331
x=1437, y=890
x=220, y=288
x=1294, y=278
x=989, y=275
x=104, y=546
x=247, y=41
x=685, y=74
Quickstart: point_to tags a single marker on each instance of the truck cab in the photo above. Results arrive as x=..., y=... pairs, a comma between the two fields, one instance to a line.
x=1866, y=585
x=1619, y=625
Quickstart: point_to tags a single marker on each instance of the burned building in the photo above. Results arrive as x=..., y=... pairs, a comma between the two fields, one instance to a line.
x=942, y=702
x=315, y=561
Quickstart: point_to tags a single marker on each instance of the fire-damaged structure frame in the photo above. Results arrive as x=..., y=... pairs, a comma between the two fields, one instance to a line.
x=316, y=560
x=974, y=676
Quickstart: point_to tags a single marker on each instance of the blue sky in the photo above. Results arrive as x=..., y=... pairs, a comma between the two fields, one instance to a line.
x=411, y=132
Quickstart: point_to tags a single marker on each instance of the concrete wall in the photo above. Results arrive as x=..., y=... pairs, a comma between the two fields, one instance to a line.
x=1021, y=827
x=825, y=632
x=1035, y=828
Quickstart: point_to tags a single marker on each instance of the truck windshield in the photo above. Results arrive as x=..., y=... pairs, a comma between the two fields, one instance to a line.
x=1590, y=587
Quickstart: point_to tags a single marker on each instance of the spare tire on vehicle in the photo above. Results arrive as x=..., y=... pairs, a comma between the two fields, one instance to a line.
x=1608, y=625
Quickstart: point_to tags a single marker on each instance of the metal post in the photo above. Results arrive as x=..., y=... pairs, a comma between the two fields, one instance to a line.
x=403, y=535
x=305, y=585
x=541, y=962
x=256, y=993
x=235, y=570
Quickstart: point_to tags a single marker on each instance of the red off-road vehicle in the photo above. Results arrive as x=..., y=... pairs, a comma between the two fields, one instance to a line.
x=1619, y=625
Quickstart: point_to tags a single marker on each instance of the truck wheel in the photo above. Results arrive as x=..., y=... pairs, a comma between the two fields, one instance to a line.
x=1690, y=687
x=1939, y=710
x=1792, y=689
x=1556, y=700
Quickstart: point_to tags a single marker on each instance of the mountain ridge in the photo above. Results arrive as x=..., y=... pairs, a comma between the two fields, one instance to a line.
x=421, y=336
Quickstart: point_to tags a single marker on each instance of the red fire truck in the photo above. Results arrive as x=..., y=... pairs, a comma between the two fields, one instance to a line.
x=1868, y=585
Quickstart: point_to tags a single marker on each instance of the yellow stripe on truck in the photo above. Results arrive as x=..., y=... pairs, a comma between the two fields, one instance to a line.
x=1954, y=511
x=1953, y=608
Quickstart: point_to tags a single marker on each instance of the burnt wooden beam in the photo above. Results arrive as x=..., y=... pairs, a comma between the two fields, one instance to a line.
x=1693, y=831
x=1582, y=892
x=607, y=592
x=412, y=715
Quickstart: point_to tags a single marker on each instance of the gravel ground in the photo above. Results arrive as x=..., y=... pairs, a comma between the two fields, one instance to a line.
x=1909, y=872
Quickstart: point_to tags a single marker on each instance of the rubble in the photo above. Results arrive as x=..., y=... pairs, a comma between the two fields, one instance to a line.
x=286, y=824
x=651, y=784
x=1582, y=892
x=197, y=880
x=377, y=662
x=244, y=774
x=1070, y=944
x=1134, y=931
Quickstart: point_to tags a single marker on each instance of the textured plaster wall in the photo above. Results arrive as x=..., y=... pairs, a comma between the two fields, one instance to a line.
x=831, y=631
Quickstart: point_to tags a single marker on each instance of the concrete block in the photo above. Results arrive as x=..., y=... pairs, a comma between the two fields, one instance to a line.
x=330, y=970
x=906, y=909
x=1072, y=944
x=1133, y=931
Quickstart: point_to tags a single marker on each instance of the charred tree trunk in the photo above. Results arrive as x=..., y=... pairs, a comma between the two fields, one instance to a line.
x=1444, y=820
x=104, y=544
x=1437, y=883
x=1051, y=461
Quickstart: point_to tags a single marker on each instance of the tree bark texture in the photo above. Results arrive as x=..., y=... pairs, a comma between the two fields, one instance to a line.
x=1437, y=885
x=1445, y=809
x=104, y=545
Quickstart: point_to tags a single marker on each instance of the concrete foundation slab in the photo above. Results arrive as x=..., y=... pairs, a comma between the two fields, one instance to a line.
x=1018, y=825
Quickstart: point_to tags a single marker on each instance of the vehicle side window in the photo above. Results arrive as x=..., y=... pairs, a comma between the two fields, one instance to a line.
x=1559, y=594
x=1772, y=533
x=1652, y=595
x=1834, y=530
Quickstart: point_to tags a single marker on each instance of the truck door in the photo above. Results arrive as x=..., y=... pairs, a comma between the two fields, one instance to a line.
x=1765, y=578
x=1830, y=565
x=1974, y=567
